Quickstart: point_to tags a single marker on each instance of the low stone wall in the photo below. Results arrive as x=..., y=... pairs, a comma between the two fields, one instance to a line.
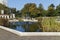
x=10, y=34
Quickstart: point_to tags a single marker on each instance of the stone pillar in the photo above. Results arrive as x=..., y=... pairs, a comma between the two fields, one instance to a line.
x=2, y=11
x=13, y=15
x=2, y=16
x=8, y=17
x=5, y=17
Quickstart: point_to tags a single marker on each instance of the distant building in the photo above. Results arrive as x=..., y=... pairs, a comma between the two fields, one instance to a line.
x=3, y=15
x=10, y=16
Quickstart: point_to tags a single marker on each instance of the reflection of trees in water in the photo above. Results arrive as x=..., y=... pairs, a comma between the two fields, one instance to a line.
x=12, y=25
x=32, y=27
x=27, y=26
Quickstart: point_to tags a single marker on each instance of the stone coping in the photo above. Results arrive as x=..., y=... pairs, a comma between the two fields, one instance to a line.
x=30, y=33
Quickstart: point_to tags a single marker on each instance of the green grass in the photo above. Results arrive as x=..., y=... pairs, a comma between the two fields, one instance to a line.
x=49, y=25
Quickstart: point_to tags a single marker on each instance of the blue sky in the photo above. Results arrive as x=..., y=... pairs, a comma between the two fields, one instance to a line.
x=19, y=4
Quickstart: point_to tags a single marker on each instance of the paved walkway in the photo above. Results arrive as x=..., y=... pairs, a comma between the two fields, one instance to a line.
x=5, y=35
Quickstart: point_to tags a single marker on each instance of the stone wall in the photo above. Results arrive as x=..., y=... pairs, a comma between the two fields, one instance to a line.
x=5, y=34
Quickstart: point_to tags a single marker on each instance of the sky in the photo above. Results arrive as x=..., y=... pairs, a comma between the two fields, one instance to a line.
x=19, y=4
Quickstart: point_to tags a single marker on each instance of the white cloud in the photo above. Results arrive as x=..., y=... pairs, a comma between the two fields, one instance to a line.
x=3, y=2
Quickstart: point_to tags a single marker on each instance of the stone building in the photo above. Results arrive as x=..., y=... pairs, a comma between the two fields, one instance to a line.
x=6, y=16
x=2, y=14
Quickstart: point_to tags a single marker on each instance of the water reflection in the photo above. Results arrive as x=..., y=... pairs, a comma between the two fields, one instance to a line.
x=25, y=26
x=20, y=28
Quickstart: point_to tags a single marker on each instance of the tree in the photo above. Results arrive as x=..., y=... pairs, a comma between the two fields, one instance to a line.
x=51, y=10
x=13, y=10
x=58, y=10
x=18, y=13
x=4, y=22
x=41, y=10
x=41, y=7
x=30, y=9
x=5, y=8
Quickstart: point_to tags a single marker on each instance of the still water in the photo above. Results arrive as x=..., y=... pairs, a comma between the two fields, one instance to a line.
x=25, y=26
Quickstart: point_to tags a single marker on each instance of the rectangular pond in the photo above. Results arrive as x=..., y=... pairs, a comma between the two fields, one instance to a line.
x=25, y=26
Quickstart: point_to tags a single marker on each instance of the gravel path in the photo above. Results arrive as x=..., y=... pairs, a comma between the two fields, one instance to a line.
x=5, y=35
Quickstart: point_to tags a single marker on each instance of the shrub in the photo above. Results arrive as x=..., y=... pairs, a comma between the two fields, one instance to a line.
x=49, y=25
x=3, y=22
